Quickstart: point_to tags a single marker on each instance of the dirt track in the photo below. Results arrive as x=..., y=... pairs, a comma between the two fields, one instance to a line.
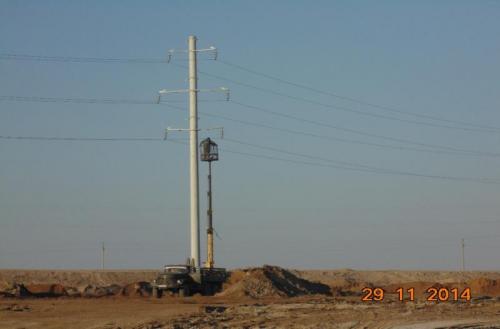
x=114, y=313
x=239, y=306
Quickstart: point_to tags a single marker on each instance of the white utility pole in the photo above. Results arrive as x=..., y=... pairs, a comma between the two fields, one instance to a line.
x=193, y=152
x=102, y=256
x=193, y=139
x=463, y=255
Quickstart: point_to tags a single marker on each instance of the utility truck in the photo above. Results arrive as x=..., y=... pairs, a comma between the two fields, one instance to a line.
x=186, y=280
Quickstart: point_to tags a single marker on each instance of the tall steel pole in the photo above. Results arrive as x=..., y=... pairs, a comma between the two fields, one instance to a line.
x=193, y=151
x=463, y=255
x=102, y=256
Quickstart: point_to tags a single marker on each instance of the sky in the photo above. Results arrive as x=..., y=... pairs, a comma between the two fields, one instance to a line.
x=286, y=203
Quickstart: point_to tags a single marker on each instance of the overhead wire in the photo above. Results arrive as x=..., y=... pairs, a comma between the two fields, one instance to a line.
x=362, y=133
x=360, y=166
x=354, y=100
x=436, y=149
x=75, y=59
x=477, y=127
x=327, y=163
x=24, y=57
x=126, y=101
x=338, y=107
x=331, y=138
x=311, y=157
x=112, y=139
x=38, y=99
x=357, y=168
x=75, y=100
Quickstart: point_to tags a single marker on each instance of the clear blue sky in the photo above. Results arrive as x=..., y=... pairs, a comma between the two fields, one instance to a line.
x=59, y=200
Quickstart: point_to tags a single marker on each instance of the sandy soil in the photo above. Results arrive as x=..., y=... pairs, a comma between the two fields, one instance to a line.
x=215, y=312
x=254, y=298
x=393, y=276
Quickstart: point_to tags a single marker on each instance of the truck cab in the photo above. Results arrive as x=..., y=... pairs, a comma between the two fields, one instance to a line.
x=185, y=280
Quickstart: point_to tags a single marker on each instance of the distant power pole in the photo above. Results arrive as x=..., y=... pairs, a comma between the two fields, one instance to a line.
x=463, y=254
x=103, y=250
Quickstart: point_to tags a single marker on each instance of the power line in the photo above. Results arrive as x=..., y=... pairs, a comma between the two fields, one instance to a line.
x=331, y=164
x=355, y=100
x=354, y=166
x=312, y=157
x=478, y=128
x=362, y=133
x=37, y=99
x=438, y=149
x=342, y=108
x=73, y=59
x=82, y=139
x=328, y=163
x=332, y=138
x=24, y=57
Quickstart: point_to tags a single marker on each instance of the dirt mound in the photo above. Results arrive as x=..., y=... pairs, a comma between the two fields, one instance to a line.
x=270, y=281
x=137, y=289
x=42, y=290
x=92, y=291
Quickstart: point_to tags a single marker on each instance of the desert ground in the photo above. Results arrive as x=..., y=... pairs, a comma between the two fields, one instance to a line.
x=264, y=297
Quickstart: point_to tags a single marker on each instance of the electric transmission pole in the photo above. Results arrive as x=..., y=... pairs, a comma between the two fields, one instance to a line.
x=463, y=254
x=102, y=256
x=193, y=152
x=193, y=140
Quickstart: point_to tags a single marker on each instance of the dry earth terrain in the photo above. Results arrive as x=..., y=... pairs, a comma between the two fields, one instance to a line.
x=266, y=297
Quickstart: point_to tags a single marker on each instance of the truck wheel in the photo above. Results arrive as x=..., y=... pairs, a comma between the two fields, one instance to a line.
x=156, y=293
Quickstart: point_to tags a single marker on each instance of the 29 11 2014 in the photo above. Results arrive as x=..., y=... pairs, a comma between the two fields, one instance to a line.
x=432, y=294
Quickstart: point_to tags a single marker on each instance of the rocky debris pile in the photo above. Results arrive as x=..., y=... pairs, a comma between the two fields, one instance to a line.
x=136, y=289
x=270, y=281
x=266, y=281
x=33, y=290
x=42, y=290
x=257, y=282
x=97, y=291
